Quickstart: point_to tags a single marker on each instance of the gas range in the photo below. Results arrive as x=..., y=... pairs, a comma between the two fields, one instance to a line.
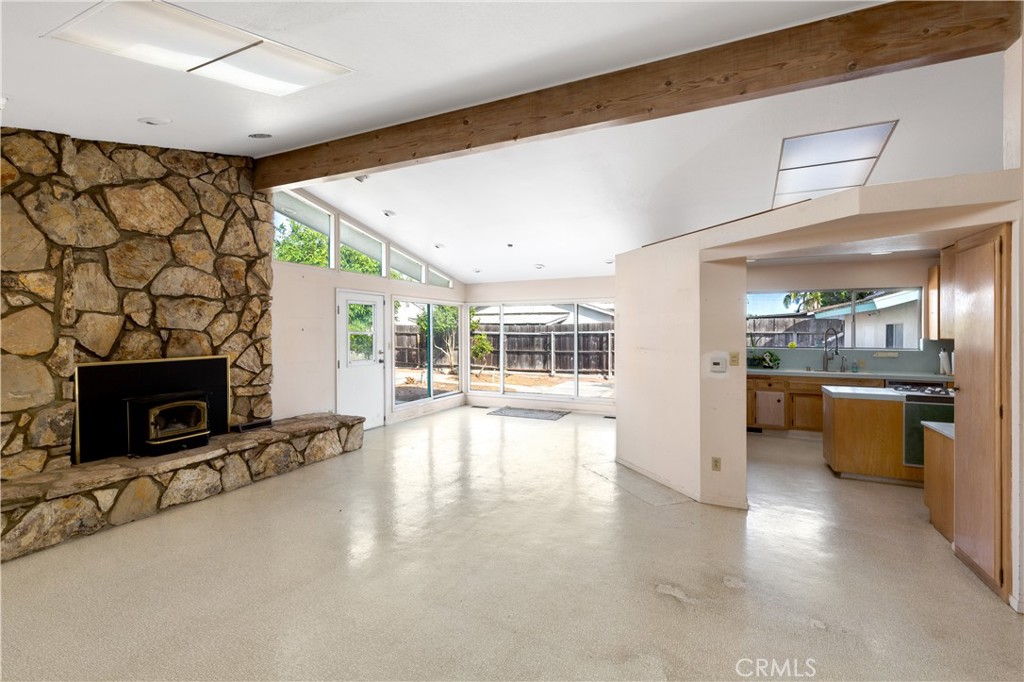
x=922, y=389
x=923, y=392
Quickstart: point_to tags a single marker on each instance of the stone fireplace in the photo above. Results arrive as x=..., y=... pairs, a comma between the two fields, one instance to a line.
x=115, y=252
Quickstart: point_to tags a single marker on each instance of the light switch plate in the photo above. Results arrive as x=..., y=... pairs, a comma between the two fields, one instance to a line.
x=734, y=359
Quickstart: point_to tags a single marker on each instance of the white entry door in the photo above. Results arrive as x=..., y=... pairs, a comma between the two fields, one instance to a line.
x=361, y=356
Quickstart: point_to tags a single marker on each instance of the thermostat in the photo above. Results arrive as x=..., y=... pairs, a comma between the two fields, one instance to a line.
x=719, y=363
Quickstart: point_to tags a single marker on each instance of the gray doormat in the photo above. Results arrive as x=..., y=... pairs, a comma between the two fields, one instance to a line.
x=549, y=415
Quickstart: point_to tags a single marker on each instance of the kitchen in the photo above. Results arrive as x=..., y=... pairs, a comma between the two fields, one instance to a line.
x=872, y=370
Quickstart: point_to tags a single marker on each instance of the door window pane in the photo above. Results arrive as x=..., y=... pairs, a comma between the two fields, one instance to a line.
x=360, y=317
x=360, y=332
x=360, y=347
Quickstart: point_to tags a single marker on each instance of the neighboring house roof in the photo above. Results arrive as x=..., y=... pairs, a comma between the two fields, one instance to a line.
x=870, y=304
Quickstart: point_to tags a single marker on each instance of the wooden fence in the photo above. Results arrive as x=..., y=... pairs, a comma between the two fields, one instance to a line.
x=778, y=332
x=528, y=348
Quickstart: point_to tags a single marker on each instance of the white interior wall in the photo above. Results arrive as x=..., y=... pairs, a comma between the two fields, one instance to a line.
x=304, y=334
x=723, y=396
x=658, y=390
x=543, y=291
x=883, y=271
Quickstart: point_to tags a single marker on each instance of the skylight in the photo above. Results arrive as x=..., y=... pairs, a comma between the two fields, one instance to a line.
x=165, y=35
x=812, y=166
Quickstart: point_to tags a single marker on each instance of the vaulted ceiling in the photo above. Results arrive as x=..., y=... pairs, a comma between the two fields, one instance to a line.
x=571, y=202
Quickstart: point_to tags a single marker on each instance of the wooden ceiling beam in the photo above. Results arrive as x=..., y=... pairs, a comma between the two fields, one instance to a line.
x=881, y=39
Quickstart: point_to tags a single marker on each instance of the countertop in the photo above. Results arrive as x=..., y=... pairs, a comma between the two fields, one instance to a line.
x=945, y=428
x=864, y=393
x=917, y=376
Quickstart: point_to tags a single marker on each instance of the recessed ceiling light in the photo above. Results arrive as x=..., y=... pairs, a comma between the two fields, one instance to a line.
x=508, y=245
x=260, y=136
x=389, y=213
x=538, y=266
x=880, y=253
x=438, y=246
x=362, y=178
x=477, y=270
x=154, y=121
x=610, y=261
x=172, y=37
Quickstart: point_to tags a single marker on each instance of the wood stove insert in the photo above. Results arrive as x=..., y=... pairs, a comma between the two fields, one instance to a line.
x=149, y=407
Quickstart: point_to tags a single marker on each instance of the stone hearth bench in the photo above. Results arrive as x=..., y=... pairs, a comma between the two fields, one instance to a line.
x=41, y=510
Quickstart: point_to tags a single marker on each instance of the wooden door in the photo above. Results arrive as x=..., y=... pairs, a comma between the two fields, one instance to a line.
x=978, y=489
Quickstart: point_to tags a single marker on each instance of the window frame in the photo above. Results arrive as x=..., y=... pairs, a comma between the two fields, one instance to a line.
x=332, y=217
x=850, y=334
x=502, y=349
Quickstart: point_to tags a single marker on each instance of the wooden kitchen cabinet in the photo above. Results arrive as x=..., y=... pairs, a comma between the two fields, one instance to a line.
x=803, y=407
x=947, y=293
x=865, y=437
x=938, y=481
x=805, y=411
x=770, y=409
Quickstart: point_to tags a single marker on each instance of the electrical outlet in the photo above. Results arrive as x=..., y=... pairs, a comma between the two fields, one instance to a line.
x=716, y=463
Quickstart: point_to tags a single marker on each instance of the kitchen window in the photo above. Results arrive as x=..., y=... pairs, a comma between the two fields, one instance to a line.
x=861, y=318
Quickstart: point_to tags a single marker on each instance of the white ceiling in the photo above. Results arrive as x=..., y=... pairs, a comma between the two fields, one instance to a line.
x=571, y=202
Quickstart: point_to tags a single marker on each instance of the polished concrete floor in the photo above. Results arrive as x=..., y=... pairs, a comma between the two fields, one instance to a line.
x=468, y=546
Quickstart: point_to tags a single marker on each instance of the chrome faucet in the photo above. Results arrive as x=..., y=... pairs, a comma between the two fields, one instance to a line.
x=826, y=356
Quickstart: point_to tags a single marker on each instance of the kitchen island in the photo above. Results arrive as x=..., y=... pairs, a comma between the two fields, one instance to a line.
x=863, y=433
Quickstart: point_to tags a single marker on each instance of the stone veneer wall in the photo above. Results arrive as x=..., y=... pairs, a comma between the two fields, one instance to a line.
x=119, y=252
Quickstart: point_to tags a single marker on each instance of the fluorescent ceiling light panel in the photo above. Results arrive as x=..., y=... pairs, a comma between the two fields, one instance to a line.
x=165, y=35
x=830, y=176
x=863, y=142
x=153, y=32
x=272, y=68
